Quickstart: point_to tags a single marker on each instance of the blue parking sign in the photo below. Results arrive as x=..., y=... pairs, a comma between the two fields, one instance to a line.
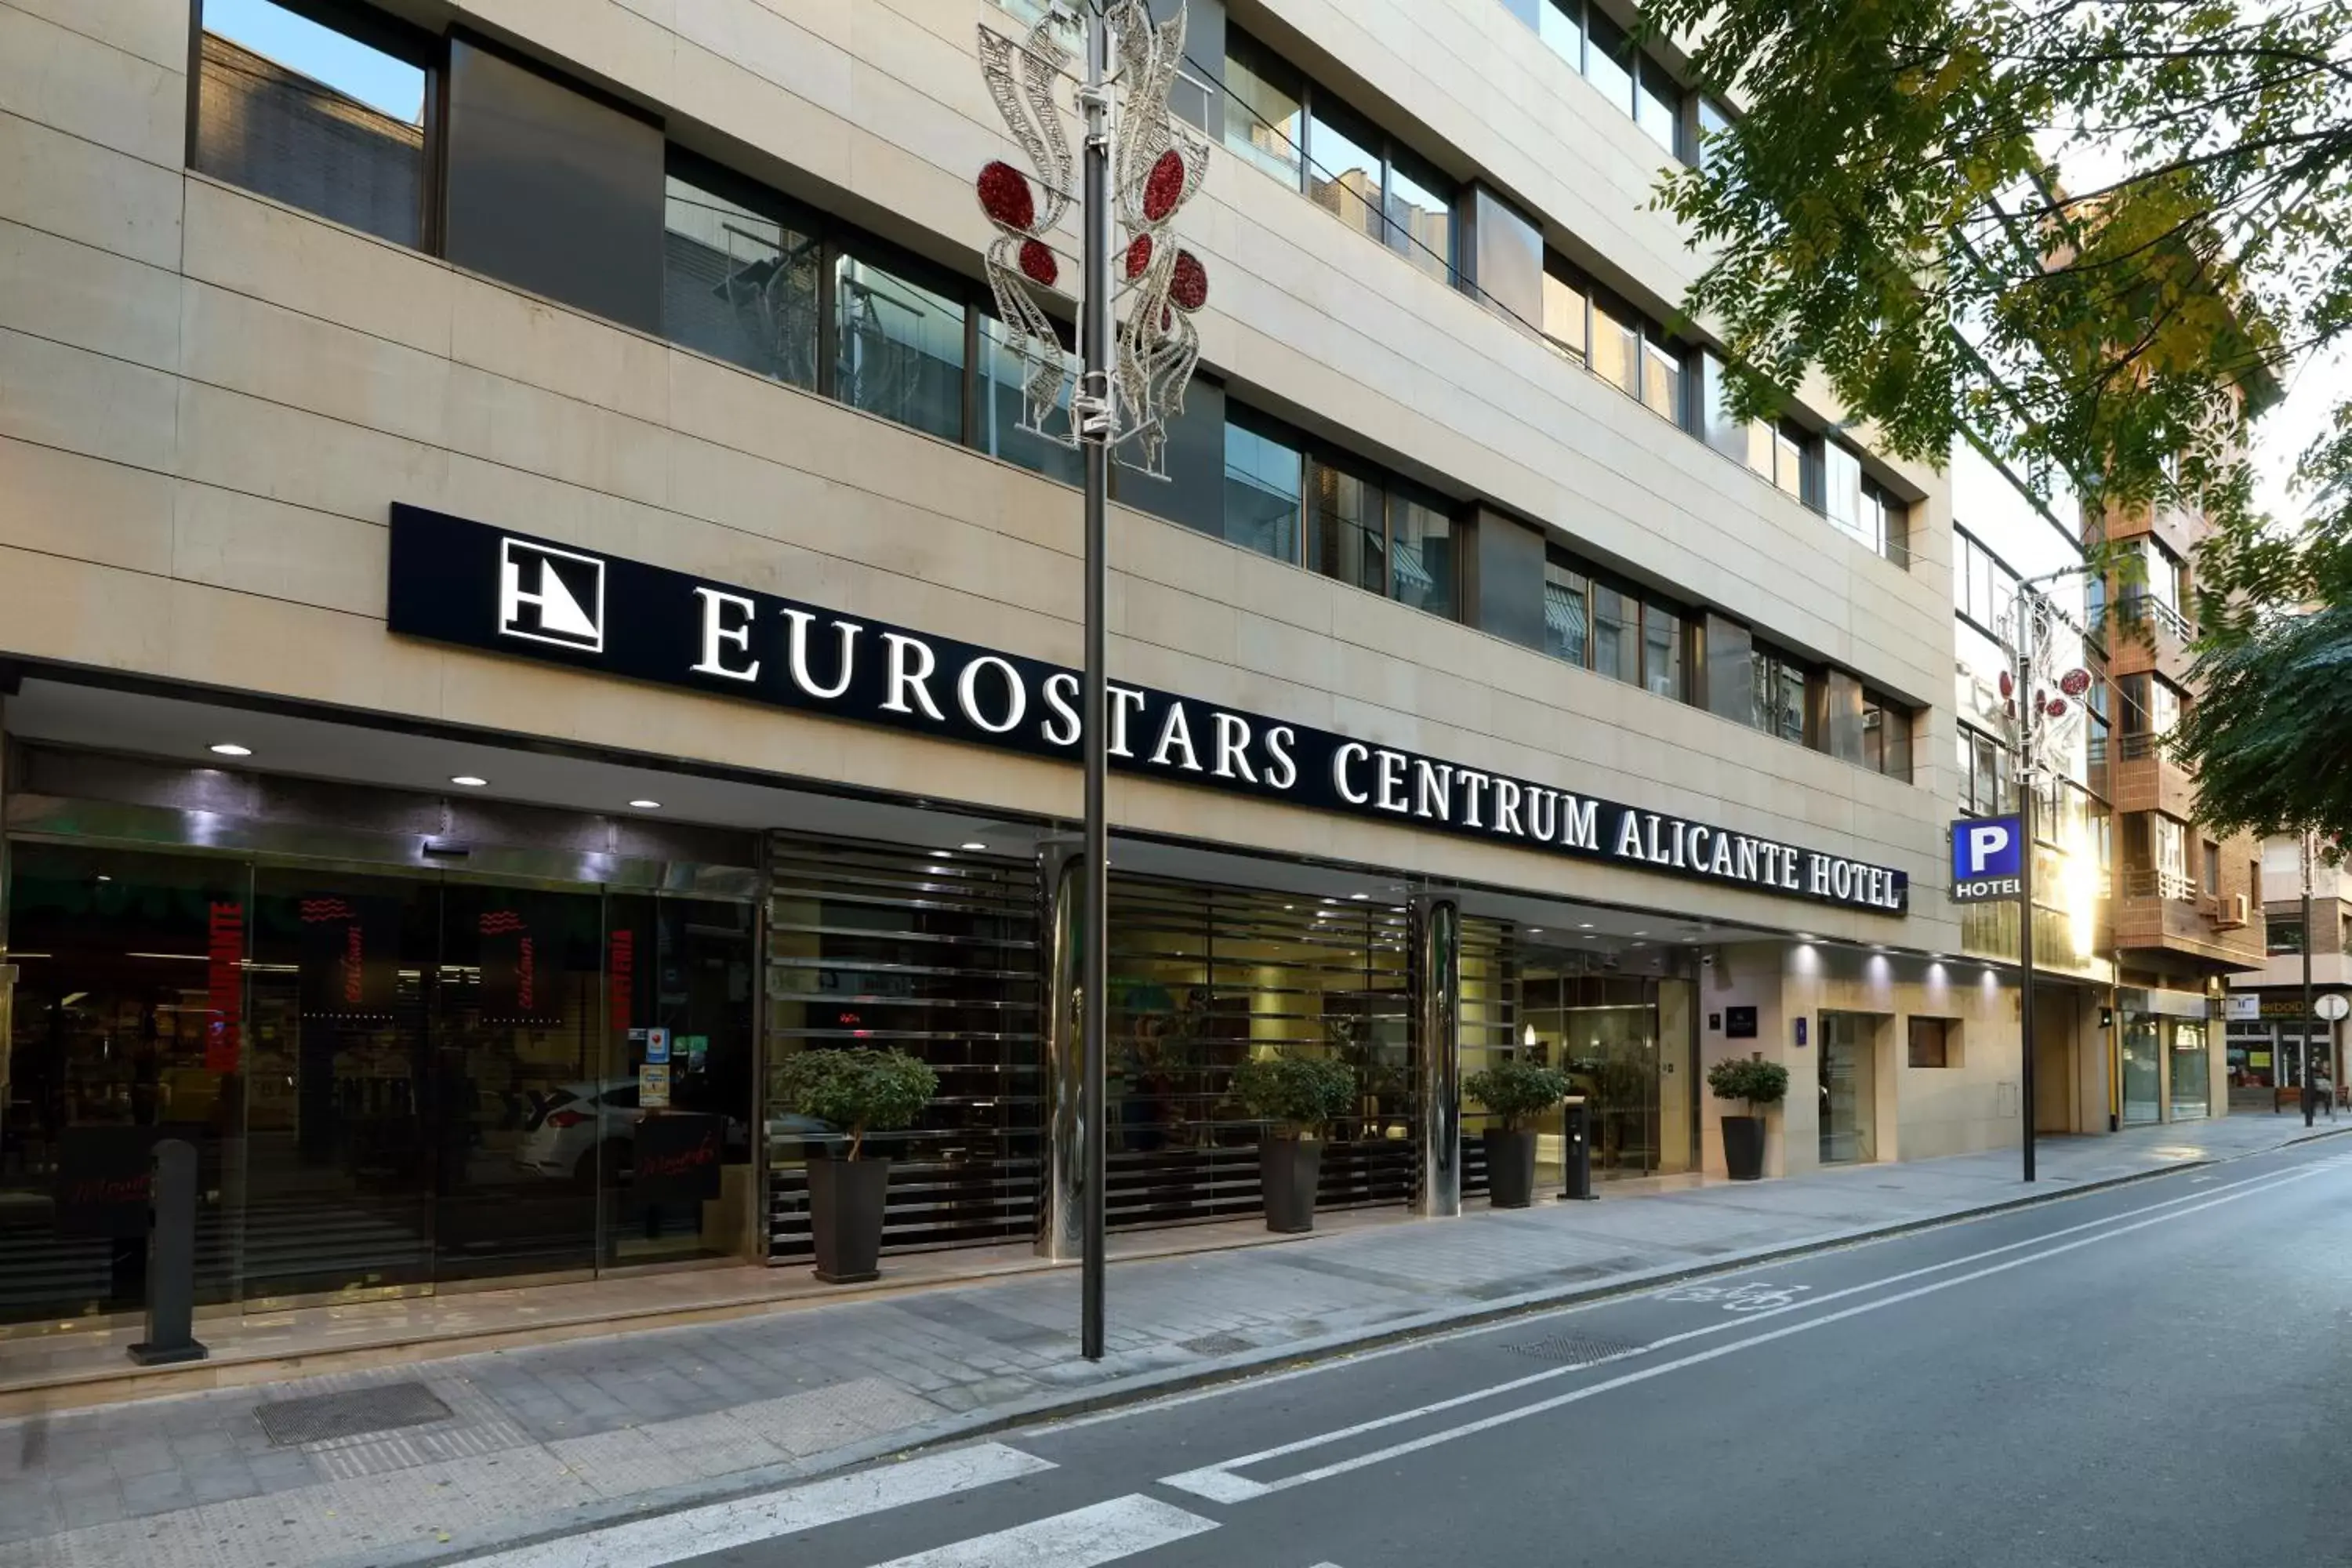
x=1987, y=858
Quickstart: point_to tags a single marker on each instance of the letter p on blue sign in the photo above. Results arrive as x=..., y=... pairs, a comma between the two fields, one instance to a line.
x=1988, y=857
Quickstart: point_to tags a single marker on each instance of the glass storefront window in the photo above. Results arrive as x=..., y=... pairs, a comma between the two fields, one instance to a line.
x=129, y=1028
x=2192, y=1072
x=2142, y=1072
x=394, y=1081
x=901, y=349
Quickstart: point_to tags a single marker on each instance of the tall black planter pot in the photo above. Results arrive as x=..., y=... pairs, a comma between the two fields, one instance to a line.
x=1743, y=1147
x=1510, y=1168
x=1287, y=1172
x=845, y=1201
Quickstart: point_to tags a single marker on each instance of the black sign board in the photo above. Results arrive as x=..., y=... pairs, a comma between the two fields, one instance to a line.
x=458, y=582
x=1739, y=1022
x=677, y=1159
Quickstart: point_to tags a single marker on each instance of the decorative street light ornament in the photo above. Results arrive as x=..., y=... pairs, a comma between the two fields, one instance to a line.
x=1019, y=261
x=2075, y=681
x=1159, y=163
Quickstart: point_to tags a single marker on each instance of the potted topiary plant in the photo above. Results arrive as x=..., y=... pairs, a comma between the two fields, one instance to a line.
x=862, y=1091
x=1514, y=1089
x=1302, y=1096
x=1757, y=1082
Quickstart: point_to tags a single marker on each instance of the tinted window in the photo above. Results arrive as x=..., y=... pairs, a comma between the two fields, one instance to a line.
x=1662, y=380
x=1564, y=311
x=1345, y=172
x=1510, y=259
x=1616, y=634
x=1351, y=539
x=1421, y=555
x=901, y=349
x=1662, y=651
x=1609, y=60
x=1568, y=627
x=314, y=117
x=1617, y=347
x=1658, y=106
x=1262, y=116
x=1004, y=431
x=739, y=285
x=1561, y=23
x=1421, y=216
x=1263, y=477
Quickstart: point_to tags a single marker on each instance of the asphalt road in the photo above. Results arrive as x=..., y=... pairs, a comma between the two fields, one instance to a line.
x=2157, y=1375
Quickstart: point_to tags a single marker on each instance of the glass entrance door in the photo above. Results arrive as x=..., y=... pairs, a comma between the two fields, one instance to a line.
x=1847, y=1065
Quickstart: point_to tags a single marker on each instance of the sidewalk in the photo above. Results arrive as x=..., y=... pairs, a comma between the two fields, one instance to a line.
x=538, y=1441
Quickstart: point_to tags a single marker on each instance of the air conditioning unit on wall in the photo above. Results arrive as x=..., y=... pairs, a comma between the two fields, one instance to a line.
x=2232, y=910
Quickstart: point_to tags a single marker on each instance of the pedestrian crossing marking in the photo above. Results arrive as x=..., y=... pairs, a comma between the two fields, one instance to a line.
x=746, y=1521
x=1083, y=1538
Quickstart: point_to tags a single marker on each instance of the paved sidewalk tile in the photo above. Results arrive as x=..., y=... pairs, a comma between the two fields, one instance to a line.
x=549, y=1435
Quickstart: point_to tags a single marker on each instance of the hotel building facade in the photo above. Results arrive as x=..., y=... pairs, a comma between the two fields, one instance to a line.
x=525, y=599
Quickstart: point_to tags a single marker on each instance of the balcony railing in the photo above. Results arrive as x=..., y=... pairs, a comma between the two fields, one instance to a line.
x=2156, y=611
x=2150, y=884
x=2135, y=744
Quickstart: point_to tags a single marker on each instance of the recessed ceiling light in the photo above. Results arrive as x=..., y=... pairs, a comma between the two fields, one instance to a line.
x=1535, y=931
x=1360, y=898
x=1641, y=934
x=974, y=843
x=468, y=781
x=231, y=749
x=644, y=805
x=1804, y=936
x=104, y=878
x=1584, y=925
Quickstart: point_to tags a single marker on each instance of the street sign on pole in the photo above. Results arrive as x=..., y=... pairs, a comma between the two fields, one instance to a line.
x=1988, y=859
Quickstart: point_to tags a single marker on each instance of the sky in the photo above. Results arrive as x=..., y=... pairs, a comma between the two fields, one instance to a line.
x=375, y=79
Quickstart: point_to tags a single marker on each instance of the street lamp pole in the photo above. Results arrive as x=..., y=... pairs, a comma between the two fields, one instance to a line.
x=1092, y=412
x=2310, y=847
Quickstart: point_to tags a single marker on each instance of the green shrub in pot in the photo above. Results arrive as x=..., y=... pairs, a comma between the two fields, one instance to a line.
x=862, y=1091
x=1515, y=1089
x=1302, y=1095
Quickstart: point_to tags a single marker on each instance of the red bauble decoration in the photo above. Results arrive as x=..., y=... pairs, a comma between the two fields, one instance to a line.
x=1164, y=185
x=2074, y=682
x=1189, y=287
x=1037, y=262
x=1005, y=195
x=1139, y=255
x=2008, y=686
x=2057, y=709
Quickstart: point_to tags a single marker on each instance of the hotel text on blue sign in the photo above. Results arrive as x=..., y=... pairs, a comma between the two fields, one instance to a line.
x=1988, y=859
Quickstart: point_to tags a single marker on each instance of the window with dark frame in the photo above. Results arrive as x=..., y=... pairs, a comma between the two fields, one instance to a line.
x=349, y=143
x=1931, y=1042
x=1280, y=120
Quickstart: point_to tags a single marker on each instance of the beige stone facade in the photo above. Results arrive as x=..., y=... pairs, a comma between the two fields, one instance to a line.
x=209, y=400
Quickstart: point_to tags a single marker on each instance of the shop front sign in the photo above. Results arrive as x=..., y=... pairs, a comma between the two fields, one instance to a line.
x=457, y=582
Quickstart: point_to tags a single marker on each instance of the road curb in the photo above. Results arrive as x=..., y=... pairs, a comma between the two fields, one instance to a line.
x=1138, y=1388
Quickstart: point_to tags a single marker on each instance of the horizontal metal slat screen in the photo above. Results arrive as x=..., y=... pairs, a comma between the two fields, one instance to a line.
x=874, y=944
x=1490, y=1009
x=1203, y=977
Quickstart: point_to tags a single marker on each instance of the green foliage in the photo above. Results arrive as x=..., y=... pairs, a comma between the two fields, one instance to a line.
x=1514, y=1089
x=1304, y=1093
x=1746, y=1078
x=2271, y=736
x=2093, y=237
x=864, y=1090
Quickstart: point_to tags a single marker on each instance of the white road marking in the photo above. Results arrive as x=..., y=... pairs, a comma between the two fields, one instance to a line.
x=1219, y=1483
x=1081, y=1539
x=1341, y=1363
x=697, y=1532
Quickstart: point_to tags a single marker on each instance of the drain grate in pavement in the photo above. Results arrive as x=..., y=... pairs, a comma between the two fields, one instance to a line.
x=1575, y=1349
x=382, y=1408
x=1217, y=1344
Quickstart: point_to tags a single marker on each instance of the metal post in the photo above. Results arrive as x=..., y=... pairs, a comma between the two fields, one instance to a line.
x=2028, y=622
x=1437, y=1028
x=2302, y=1025
x=1096, y=422
x=172, y=1260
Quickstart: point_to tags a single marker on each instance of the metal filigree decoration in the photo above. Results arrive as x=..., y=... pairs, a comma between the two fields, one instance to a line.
x=1160, y=163
x=2043, y=716
x=1020, y=79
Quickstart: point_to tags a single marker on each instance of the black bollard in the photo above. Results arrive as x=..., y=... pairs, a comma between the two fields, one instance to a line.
x=172, y=1260
x=1576, y=1151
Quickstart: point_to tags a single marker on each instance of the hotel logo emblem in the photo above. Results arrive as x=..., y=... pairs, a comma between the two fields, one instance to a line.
x=550, y=596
